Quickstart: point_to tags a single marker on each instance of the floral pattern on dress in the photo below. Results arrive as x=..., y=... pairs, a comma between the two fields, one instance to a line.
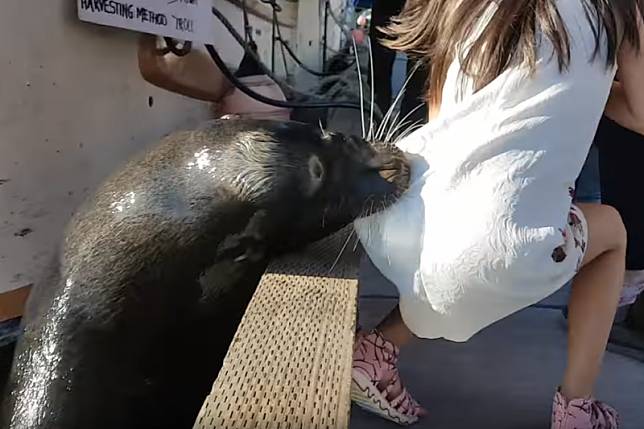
x=575, y=232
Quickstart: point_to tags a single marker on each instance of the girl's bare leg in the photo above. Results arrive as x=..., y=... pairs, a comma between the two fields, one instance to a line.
x=376, y=383
x=394, y=329
x=593, y=302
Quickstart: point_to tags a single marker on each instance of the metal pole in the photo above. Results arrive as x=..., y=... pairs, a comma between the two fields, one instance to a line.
x=273, y=44
x=324, y=39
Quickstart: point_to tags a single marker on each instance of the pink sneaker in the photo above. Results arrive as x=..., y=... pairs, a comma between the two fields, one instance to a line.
x=376, y=385
x=582, y=414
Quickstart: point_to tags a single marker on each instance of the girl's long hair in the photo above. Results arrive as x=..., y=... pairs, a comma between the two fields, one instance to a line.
x=434, y=30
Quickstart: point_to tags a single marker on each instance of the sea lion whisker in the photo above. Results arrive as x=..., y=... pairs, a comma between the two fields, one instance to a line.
x=400, y=94
x=383, y=124
x=411, y=112
x=367, y=207
x=373, y=96
x=337, y=259
x=325, y=134
x=413, y=127
x=355, y=245
x=407, y=128
x=385, y=120
x=394, y=121
x=387, y=255
x=355, y=51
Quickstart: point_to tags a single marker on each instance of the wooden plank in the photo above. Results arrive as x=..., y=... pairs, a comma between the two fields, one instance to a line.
x=289, y=365
x=12, y=303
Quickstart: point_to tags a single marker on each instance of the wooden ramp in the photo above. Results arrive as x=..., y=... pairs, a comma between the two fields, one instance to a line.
x=289, y=365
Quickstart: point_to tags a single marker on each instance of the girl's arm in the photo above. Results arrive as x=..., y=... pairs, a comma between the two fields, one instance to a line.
x=193, y=75
x=626, y=102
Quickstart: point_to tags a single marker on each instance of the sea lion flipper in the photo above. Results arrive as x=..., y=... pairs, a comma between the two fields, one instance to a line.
x=250, y=244
x=254, y=237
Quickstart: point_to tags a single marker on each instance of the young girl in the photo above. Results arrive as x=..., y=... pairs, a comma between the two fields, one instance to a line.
x=516, y=90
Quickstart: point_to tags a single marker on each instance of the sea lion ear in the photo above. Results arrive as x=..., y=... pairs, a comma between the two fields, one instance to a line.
x=317, y=174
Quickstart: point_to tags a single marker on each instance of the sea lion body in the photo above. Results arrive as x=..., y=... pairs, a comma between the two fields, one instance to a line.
x=157, y=268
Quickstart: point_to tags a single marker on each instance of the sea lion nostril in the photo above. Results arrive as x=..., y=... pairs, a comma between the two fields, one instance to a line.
x=389, y=174
x=391, y=165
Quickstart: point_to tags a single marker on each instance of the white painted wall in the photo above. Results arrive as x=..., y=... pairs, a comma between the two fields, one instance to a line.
x=309, y=37
x=72, y=107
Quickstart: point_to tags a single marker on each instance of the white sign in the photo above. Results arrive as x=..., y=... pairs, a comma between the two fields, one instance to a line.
x=180, y=19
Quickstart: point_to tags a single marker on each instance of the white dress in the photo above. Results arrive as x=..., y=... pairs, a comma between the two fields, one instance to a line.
x=487, y=227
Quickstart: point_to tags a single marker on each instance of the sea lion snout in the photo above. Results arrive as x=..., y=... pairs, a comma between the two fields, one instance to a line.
x=393, y=166
x=365, y=176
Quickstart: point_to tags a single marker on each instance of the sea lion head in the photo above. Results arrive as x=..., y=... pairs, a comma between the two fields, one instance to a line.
x=313, y=182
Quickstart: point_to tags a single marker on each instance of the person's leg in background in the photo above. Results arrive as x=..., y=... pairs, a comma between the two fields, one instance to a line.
x=620, y=158
x=588, y=189
x=636, y=316
x=415, y=94
x=383, y=58
x=609, y=184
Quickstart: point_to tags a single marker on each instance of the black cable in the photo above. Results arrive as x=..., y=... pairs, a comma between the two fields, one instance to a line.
x=293, y=55
x=276, y=31
x=318, y=103
x=300, y=63
x=271, y=102
x=284, y=44
x=275, y=8
x=279, y=35
x=247, y=49
x=248, y=35
x=248, y=66
x=326, y=25
x=273, y=43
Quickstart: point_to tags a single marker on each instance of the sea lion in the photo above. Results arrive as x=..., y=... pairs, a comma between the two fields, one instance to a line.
x=128, y=334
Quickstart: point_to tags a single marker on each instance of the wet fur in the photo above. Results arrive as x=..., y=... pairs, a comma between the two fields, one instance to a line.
x=158, y=267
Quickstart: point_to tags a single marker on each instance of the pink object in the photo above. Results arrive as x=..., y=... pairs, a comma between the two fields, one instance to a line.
x=582, y=414
x=239, y=104
x=358, y=35
x=376, y=385
x=633, y=287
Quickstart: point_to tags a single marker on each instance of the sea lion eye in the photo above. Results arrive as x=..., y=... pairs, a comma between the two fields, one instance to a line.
x=316, y=174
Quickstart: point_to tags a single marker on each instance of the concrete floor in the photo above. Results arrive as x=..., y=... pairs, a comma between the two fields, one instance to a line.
x=503, y=378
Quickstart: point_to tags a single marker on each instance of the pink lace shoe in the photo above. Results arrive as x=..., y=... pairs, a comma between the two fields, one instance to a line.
x=376, y=385
x=582, y=414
